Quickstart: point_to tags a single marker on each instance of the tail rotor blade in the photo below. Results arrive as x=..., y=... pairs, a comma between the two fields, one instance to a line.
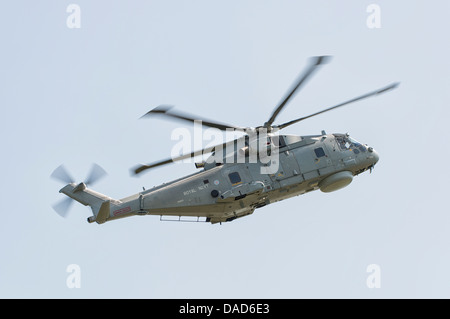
x=61, y=174
x=62, y=207
x=96, y=173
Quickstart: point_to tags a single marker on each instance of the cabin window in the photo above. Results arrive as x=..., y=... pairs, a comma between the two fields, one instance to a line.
x=319, y=152
x=235, y=178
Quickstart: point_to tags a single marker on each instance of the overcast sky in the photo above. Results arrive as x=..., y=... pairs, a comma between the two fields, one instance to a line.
x=75, y=95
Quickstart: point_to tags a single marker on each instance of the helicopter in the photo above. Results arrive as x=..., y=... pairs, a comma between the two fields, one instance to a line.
x=257, y=169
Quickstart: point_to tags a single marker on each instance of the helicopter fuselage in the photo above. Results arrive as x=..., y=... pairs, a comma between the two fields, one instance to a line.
x=225, y=191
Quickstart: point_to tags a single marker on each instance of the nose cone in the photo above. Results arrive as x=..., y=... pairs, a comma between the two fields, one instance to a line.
x=373, y=156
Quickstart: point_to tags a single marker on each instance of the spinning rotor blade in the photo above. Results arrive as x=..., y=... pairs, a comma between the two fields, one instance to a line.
x=382, y=90
x=61, y=174
x=314, y=64
x=165, y=110
x=62, y=208
x=95, y=174
x=207, y=150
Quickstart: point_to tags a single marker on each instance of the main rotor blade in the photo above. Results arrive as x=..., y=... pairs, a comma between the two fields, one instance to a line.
x=207, y=150
x=365, y=96
x=314, y=63
x=165, y=110
x=61, y=174
x=95, y=174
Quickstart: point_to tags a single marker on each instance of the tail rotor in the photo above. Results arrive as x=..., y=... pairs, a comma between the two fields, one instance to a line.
x=62, y=175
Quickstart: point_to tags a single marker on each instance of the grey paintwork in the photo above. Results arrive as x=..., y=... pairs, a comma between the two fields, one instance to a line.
x=210, y=193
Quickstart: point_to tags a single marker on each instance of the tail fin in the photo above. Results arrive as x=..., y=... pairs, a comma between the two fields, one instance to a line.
x=99, y=203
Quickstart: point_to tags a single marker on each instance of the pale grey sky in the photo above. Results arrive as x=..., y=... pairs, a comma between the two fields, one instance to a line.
x=74, y=96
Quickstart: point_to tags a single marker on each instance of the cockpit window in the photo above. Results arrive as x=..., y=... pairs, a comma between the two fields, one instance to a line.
x=353, y=142
x=345, y=142
x=342, y=141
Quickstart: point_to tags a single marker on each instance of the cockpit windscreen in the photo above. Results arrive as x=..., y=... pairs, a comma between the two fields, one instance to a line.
x=345, y=142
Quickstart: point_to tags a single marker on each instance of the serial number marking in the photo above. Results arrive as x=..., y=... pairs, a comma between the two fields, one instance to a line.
x=122, y=211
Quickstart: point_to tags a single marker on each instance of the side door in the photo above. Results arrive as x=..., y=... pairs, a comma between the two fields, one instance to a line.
x=240, y=182
x=287, y=166
x=321, y=156
x=237, y=179
x=313, y=160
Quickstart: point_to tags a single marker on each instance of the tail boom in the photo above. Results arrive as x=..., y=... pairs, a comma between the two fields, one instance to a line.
x=100, y=204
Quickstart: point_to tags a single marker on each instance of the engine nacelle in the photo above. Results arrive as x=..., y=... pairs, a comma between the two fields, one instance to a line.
x=336, y=181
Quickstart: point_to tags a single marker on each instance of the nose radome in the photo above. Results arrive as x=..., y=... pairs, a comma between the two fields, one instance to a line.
x=373, y=155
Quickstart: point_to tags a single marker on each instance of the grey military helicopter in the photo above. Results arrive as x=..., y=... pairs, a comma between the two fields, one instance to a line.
x=260, y=168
